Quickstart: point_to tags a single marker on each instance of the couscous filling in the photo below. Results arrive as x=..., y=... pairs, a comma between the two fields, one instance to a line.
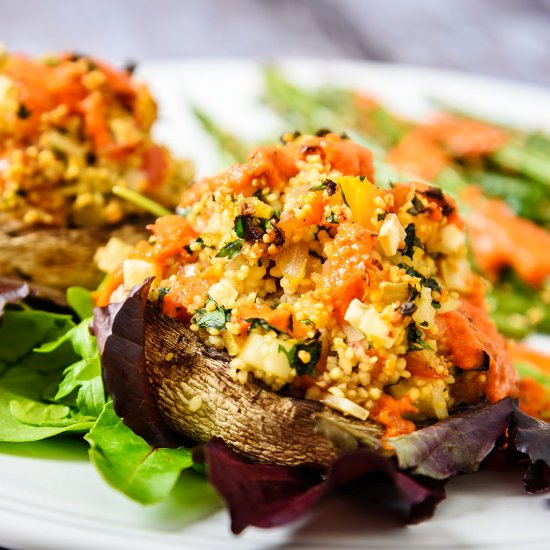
x=72, y=127
x=325, y=286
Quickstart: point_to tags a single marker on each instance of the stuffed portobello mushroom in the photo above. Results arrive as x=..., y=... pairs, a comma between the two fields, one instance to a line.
x=296, y=310
x=75, y=145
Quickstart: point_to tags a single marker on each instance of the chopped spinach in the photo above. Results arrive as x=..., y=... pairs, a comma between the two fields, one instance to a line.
x=252, y=229
x=430, y=282
x=319, y=186
x=162, y=292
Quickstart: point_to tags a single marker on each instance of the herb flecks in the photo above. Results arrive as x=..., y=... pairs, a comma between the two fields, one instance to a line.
x=415, y=338
x=411, y=240
x=216, y=318
x=417, y=207
x=303, y=356
x=231, y=249
x=332, y=218
x=256, y=323
x=23, y=112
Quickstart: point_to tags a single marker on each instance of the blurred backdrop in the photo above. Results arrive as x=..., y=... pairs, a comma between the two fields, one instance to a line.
x=509, y=38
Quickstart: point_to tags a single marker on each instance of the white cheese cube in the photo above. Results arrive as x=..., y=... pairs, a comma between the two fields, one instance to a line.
x=262, y=352
x=449, y=240
x=391, y=234
x=223, y=293
x=136, y=271
x=370, y=323
x=456, y=274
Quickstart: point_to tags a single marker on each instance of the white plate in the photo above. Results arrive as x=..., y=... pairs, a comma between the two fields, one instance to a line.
x=62, y=503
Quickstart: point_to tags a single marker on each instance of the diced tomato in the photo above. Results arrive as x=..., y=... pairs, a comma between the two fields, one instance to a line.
x=279, y=318
x=289, y=223
x=155, y=164
x=466, y=137
x=419, y=155
x=95, y=120
x=345, y=273
x=418, y=366
x=171, y=234
x=182, y=295
x=103, y=294
x=474, y=343
x=389, y=412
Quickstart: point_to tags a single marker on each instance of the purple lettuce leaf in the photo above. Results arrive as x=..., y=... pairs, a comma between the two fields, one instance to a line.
x=268, y=496
x=531, y=436
x=120, y=332
x=457, y=444
x=12, y=292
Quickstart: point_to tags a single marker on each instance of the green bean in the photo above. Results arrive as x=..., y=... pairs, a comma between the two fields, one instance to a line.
x=518, y=158
x=529, y=371
x=528, y=198
x=229, y=144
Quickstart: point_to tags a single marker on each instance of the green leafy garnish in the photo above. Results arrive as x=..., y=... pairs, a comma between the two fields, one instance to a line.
x=80, y=300
x=250, y=228
x=414, y=337
x=231, y=249
x=145, y=203
x=312, y=347
x=212, y=319
x=319, y=186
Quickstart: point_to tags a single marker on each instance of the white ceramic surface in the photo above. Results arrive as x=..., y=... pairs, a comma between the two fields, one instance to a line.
x=62, y=504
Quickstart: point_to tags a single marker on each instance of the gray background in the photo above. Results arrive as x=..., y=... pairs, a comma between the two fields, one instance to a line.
x=509, y=38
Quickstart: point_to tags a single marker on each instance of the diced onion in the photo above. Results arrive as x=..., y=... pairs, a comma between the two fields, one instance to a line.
x=353, y=334
x=345, y=406
x=292, y=261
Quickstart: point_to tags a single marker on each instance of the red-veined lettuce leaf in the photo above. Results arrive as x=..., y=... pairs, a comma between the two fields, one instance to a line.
x=268, y=496
x=120, y=332
x=457, y=444
x=532, y=437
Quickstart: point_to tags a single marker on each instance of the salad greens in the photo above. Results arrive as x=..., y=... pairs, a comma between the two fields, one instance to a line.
x=129, y=464
x=51, y=384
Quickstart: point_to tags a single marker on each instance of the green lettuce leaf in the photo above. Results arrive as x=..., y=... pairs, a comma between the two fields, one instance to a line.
x=129, y=464
x=22, y=331
x=24, y=416
x=80, y=300
x=52, y=380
